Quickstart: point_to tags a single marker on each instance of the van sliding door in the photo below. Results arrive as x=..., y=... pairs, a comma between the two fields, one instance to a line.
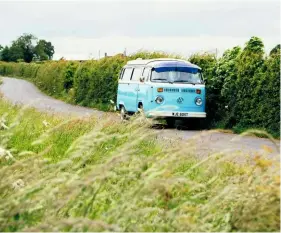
x=124, y=88
x=134, y=89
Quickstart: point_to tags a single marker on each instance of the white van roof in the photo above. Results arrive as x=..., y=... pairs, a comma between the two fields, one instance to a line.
x=140, y=61
x=157, y=61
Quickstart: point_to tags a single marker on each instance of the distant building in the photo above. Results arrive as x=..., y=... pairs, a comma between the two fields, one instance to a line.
x=118, y=54
x=121, y=55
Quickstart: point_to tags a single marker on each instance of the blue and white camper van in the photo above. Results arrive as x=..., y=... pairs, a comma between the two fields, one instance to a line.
x=163, y=88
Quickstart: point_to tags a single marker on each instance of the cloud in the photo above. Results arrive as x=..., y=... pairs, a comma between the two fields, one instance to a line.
x=79, y=28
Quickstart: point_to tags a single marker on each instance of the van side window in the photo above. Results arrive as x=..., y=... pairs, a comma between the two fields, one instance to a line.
x=121, y=74
x=127, y=73
x=146, y=73
x=137, y=74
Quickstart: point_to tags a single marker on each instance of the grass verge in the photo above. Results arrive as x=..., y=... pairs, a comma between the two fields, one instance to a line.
x=90, y=174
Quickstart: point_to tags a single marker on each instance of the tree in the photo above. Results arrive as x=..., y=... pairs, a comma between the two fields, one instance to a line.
x=23, y=48
x=226, y=73
x=44, y=50
x=26, y=48
x=1, y=47
x=26, y=43
x=254, y=45
x=250, y=63
x=275, y=50
x=5, y=54
x=15, y=53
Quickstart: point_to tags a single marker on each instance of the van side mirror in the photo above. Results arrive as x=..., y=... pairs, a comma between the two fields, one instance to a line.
x=142, y=79
x=203, y=78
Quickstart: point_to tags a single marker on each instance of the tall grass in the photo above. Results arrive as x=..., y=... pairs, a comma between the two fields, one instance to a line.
x=89, y=174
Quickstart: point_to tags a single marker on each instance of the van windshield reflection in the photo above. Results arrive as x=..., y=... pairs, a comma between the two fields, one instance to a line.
x=177, y=77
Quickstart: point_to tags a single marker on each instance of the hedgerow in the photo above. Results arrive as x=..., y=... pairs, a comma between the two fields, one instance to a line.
x=242, y=86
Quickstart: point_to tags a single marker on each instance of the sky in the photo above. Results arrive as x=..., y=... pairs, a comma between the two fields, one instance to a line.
x=88, y=29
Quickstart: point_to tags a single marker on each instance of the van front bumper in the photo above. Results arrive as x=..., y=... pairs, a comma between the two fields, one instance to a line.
x=164, y=114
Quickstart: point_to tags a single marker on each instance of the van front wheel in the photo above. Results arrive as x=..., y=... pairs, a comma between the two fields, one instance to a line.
x=170, y=122
x=123, y=113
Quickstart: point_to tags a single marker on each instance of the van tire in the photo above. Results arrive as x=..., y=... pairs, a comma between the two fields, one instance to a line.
x=203, y=124
x=140, y=108
x=170, y=122
x=194, y=124
x=123, y=113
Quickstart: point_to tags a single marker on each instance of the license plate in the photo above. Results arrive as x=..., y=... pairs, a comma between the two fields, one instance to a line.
x=180, y=114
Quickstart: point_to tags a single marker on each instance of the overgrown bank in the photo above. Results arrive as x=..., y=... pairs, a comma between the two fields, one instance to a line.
x=61, y=174
x=242, y=86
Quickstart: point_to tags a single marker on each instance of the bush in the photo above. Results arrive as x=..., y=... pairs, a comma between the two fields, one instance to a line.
x=243, y=87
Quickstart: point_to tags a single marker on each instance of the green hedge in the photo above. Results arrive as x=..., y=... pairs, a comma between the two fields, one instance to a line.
x=242, y=86
x=92, y=83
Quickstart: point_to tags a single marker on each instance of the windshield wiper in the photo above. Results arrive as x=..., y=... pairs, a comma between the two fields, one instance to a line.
x=183, y=81
x=159, y=79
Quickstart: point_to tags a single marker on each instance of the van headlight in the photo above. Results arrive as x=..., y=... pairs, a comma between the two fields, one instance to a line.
x=198, y=101
x=159, y=99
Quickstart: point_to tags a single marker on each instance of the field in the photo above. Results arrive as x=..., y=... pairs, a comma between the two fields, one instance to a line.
x=88, y=174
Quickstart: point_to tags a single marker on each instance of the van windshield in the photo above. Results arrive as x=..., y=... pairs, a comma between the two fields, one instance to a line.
x=176, y=75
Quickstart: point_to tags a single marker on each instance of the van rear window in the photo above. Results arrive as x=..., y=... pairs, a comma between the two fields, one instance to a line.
x=127, y=74
x=137, y=74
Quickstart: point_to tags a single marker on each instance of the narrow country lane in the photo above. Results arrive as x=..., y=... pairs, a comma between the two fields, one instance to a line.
x=23, y=92
x=207, y=142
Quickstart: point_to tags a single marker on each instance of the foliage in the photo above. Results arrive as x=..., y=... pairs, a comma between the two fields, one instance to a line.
x=226, y=71
x=208, y=62
x=26, y=48
x=22, y=48
x=89, y=174
x=1, y=48
x=4, y=54
x=242, y=86
x=44, y=50
x=92, y=76
x=275, y=50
